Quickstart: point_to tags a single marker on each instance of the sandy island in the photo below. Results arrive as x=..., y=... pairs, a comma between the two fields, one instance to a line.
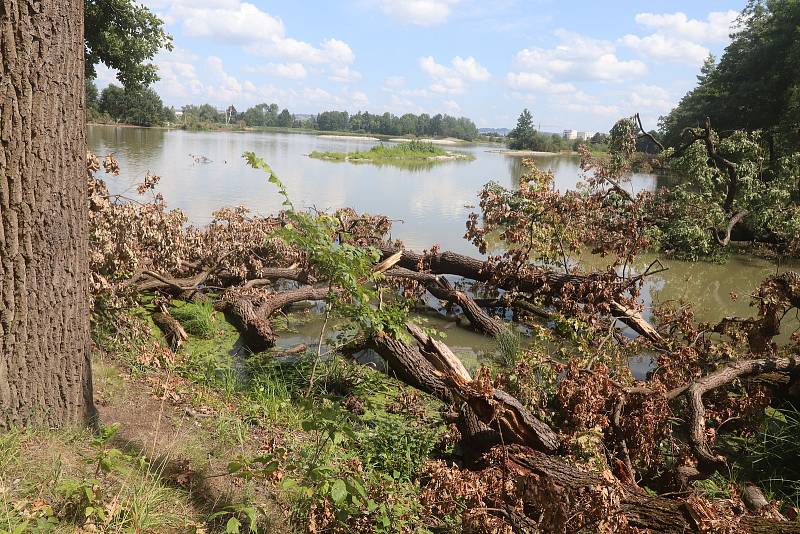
x=445, y=141
x=354, y=137
x=524, y=153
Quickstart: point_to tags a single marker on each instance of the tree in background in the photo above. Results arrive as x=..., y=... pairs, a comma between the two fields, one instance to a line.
x=523, y=136
x=285, y=119
x=755, y=85
x=139, y=106
x=45, y=372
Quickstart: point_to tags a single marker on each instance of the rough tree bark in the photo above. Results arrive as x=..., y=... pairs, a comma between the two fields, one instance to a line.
x=45, y=375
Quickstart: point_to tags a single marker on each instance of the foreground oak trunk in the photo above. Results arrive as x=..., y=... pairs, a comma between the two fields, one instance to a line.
x=45, y=375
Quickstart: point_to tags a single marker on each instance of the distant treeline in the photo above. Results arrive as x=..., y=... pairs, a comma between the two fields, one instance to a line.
x=143, y=107
x=267, y=115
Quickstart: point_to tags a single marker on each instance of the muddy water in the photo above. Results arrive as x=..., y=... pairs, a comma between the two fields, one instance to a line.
x=203, y=171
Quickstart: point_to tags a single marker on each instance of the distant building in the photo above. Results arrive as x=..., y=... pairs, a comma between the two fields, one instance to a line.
x=570, y=134
x=585, y=136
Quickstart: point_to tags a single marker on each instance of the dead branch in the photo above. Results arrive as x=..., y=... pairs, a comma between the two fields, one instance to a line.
x=708, y=461
x=172, y=329
x=440, y=288
x=541, y=281
x=251, y=315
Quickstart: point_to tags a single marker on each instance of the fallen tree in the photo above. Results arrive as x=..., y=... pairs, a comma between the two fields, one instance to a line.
x=252, y=268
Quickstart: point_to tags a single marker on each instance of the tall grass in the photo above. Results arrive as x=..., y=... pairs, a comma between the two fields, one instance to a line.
x=196, y=318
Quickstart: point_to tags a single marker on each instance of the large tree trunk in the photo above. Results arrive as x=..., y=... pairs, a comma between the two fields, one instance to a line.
x=45, y=375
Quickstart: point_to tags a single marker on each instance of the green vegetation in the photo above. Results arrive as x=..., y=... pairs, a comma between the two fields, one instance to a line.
x=267, y=116
x=123, y=35
x=197, y=318
x=525, y=137
x=138, y=106
x=756, y=83
x=405, y=151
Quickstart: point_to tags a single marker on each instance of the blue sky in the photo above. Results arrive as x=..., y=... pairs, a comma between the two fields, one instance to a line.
x=576, y=64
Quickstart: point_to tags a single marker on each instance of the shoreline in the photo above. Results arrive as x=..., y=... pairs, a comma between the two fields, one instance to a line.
x=446, y=157
x=327, y=134
x=353, y=137
x=529, y=153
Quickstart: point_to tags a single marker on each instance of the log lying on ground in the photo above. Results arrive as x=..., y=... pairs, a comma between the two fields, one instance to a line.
x=451, y=383
x=251, y=315
x=474, y=269
x=555, y=493
x=547, y=482
x=172, y=329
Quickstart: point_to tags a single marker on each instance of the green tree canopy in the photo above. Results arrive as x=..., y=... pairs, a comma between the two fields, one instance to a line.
x=523, y=136
x=755, y=85
x=125, y=36
x=139, y=106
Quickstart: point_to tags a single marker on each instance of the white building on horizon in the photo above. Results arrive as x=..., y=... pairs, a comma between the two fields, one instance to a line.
x=585, y=136
x=570, y=134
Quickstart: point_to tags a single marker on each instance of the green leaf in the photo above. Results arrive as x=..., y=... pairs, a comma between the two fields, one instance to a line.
x=232, y=526
x=234, y=467
x=339, y=491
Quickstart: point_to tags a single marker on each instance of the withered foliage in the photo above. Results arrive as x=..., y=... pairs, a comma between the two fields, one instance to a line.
x=595, y=436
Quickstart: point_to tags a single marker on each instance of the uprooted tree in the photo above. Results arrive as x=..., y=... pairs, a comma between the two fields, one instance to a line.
x=562, y=438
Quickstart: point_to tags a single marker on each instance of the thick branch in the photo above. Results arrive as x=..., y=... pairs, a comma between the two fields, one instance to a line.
x=724, y=239
x=253, y=318
x=441, y=289
x=708, y=461
x=541, y=281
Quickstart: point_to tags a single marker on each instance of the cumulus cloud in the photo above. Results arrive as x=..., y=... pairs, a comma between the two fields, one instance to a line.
x=419, y=12
x=575, y=58
x=258, y=33
x=452, y=80
x=451, y=106
x=290, y=71
x=344, y=74
x=716, y=27
x=679, y=39
x=651, y=97
x=531, y=81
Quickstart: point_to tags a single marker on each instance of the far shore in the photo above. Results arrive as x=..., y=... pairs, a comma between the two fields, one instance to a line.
x=530, y=153
x=343, y=136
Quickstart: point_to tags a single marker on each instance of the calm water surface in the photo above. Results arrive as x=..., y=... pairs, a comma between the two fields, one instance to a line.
x=430, y=202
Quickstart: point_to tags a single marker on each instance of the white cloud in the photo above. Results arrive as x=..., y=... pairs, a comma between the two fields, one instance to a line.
x=664, y=48
x=344, y=74
x=419, y=12
x=716, y=28
x=575, y=58
x=679, y=39
x=359, y=99
x=651, y=97
x=451, y=106
x=241, y=24
x=256, y=31
x=291, y=71
x=470, y=69
x=452, y=80
x=531, y=81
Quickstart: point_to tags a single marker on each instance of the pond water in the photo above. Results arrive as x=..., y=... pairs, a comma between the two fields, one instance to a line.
x=429, y=202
